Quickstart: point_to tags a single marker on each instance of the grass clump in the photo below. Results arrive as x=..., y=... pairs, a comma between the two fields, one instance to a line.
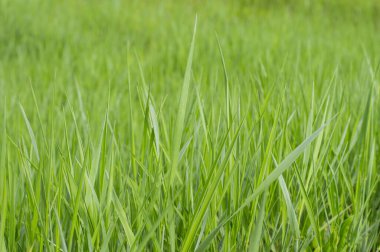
x=127, y=127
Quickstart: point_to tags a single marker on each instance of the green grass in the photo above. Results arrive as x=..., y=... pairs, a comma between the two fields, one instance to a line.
x=189, y=125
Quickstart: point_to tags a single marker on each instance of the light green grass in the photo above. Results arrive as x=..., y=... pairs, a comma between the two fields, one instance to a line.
x=189, y=125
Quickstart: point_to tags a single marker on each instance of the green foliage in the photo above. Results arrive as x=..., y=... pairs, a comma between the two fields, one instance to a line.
x=189, y=126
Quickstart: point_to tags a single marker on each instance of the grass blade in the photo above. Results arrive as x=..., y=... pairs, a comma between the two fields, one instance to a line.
x=178, y=131
x=31, y=133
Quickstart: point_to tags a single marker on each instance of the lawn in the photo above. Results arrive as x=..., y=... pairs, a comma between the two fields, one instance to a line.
x=245, y=125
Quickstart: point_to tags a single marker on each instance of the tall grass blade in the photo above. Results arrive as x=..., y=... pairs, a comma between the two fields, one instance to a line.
x=31, y=133
x=179, y=125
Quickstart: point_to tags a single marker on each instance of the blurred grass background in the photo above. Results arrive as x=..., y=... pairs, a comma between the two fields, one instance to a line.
x=54, y=44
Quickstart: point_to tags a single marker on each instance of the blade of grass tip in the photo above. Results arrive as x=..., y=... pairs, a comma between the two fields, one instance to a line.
x=152, y=112
x=96, y=159
x=182, y=111
x=39, y=116
x=154, y=121
x=203, y=120
x=226, y=81
x=77, y=132
x=81, y=107
x=31, y=133
x=184, y=148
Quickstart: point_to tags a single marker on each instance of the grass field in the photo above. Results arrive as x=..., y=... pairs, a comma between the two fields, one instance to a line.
x=189, y=125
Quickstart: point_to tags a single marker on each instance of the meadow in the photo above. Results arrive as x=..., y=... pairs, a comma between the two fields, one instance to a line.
x=245, y=125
